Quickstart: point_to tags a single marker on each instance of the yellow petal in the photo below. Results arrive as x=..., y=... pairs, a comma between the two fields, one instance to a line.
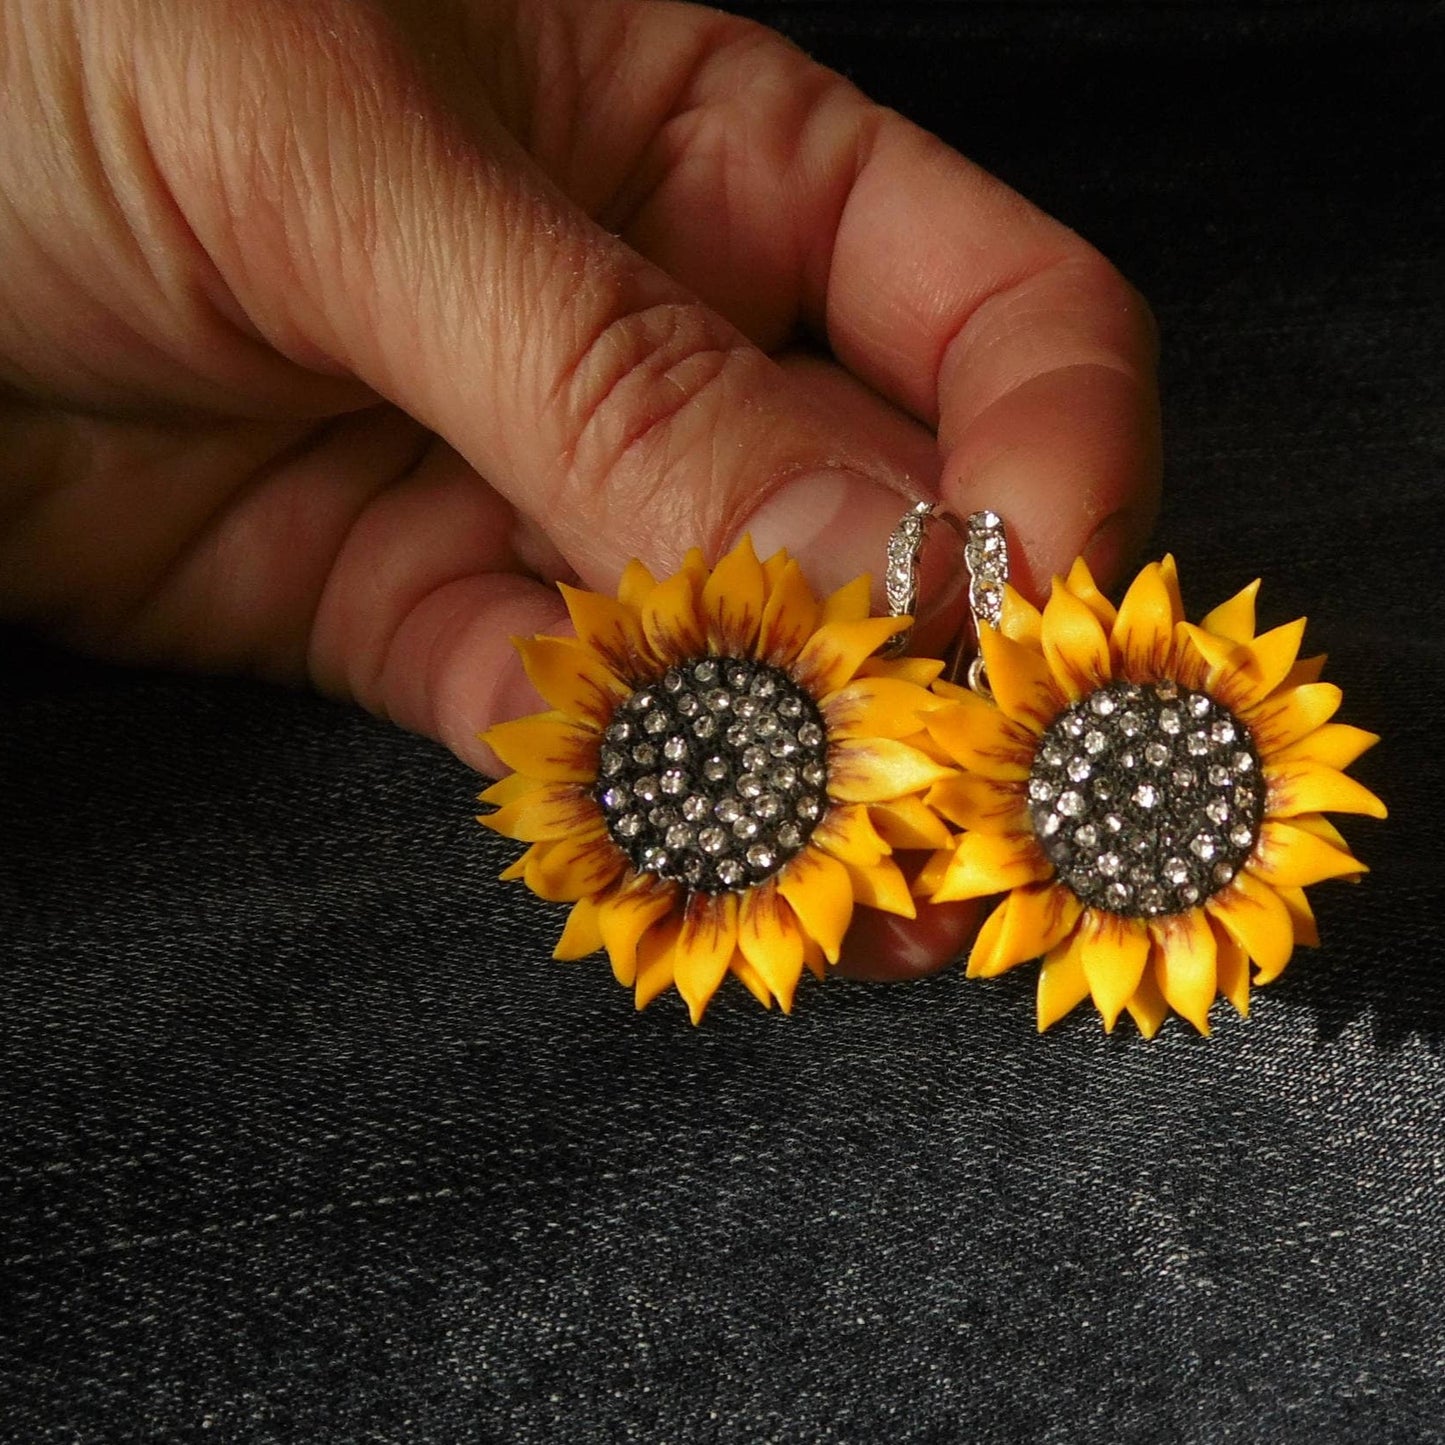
x=1234, y=620
x=654, y=962
x=1147, y=1005
x=833, y=653
x=1256, y=668
x=909, y=823
x=612, y=629
x=850, y=603
x=878, y=707
x=751, y=980
x=1063, y=985
x=1231, y=967
x=920, y=671
x=1184, y=964
x=1306, y=787
x=1336, y=745
x=581, y=935
x=1019, y=620
x=1258, y=921
x=873, y=770
x=1143, y=632
x=1301, y=916
x=1286, y=717
x=982, y=960
x=626, y=916
x=982, y=804
x=518, y=868
x=672, y=619
x=1290, y=857
x=819, y=891
x=510, y=788
x=576, y=867
x=1020, y=680
x=1114, y=951
x=1080, y=582
x=636, y=583
x=1040, y=917
x=1306, y=670
x=980, y=738
x=931, y=875
x=789, y=618
x=545, y=746
x=1074, y=644
x=984, y=864
x=732, y=602
x=769, y=938
x=705, y=946
x=882, y=886
x=847, y=832
x=554, y=810
x=573, y=679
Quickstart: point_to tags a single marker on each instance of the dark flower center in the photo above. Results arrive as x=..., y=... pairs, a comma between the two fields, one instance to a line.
x=1146, y=799
x=715, y=775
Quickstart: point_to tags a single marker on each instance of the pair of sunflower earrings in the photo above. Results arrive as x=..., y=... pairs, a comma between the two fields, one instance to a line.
x=731, y=766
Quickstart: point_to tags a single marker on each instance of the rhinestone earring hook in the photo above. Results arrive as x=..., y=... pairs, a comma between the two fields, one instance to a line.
x=985, y=555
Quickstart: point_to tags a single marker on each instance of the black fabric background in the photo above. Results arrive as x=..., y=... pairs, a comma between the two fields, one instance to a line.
x=306, y=1139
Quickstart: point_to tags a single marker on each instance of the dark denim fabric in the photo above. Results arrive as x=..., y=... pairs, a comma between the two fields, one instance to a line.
x=306, y=1139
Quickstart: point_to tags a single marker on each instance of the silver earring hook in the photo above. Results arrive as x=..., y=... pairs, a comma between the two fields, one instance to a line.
x=985, y=556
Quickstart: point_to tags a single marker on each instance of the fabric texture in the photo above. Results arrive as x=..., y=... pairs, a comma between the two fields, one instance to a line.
x=304, y=1137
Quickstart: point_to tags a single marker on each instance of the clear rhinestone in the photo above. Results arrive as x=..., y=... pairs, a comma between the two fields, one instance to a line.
x=1109, y=864
x=1102, y=703
x=619, y=731
x=1183, y=778
x=1050, y=825
x=809, y=807
x=763, y=686
x=810, y=735
x=782, y=746
x=1073, y=725
x=688, y=705
x=1197, y=744
x=615, y=798
x=790, y=707
x=712, y=840
x=1241, y=835
x=1198, y=705
x=1146, y=795
x=1152, y=899
x=672, y=680
x=654, y=859
x=644, y=755
x=1078, y=769
x=784, y=776
x=656, y=723
x=1131, y=724
x=1051, y=755
x=1189, y=894
x=754, y=759
x=1170, y=722
x=815, y=774
x=695, y=808
x=1087, y=836
x=675, y=749
x=746, y=829
x=715, y=770
x=646, y=788
x=728, y=810
x=1176, y=870
x=1219, y=775
x=1223, y=873
x=766, y=726
x=1157, y=754
x=1217, y=810
x=705, y=671
x=1119, y=894
x=790, y=836
x=737, y=678
x=730, y=872
x=1166, y=690
x=1095, y=742
x=1243, y=762
x=767, y=806
x=1071, y=805
x=1104, y=789
x=629, y=825
x=1222, y=731
x=678, y=836
x=1113, y=822
x=1204, y=846
x=1042, y=790
x=719, y=700
x=750, y=785
x=704, y=725
x=610, y=761
x=674, y=782
x=761, y=858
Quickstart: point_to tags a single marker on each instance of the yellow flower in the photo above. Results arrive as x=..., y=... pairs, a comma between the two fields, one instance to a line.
x=724, y=775
x=1147, y=794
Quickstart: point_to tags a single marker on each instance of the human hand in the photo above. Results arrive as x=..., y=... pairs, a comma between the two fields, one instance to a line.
x=331, y=334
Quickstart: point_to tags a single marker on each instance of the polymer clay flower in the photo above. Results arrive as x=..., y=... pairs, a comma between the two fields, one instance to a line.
x=724, y=775
x=1147, y=795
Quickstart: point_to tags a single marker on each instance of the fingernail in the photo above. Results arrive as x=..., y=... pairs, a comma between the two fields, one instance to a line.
x=837, y=524
x=1108, y=548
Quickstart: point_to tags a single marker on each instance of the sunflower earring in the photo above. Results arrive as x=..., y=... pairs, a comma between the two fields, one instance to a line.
x=1147, y=795
x=726, y=771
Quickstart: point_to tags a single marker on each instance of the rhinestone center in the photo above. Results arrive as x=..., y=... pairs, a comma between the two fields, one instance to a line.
x=715, y=775
x=1146, y=799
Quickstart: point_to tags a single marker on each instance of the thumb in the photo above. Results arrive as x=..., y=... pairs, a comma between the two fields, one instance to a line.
x=433, y=260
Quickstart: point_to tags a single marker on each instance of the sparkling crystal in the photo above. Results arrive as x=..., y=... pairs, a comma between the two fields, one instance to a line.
x=815, y=774
x=1129, y=759
x=674, y=782
x=675, y=749
x=790, y=836
x=695, y=808
x=1087, y=836
x=678, y=836
x=1222, y=731
x=672, y=680
x=1223, y=872
x=783, y=776
x=615, y=798
x=704, y=725
x=1197, y=744
x=1042, y=790
x=728, y=810
x=737, y=678
x=1219, y=775
x=1074, y=725
x=1176, y=870
x=1102, y=703
x=1095, y=742
x=705, y=671
x=1217, y=810
x=761, y=858
x=654, y=859
x=1131, y=724
x=1183, y=778
x=1051, y=825
x=1241, y=835
x=810, y=735
x=715, y=769
x=610, y=761
x=1071, y=805
x=1166, y=690
x=746, y=829
x=1113, y=822
x=1104, y=789
x=745, y=708
x=656, y=723
x=1119, y=894
x=1170, y=722
x=719, y=700
x=809, y=807
x=754, y=759
x=1078, y=769
x=1243, y=762
x=661, y=817
x=1203, y=846
x=1157, y=754
x=712, y=840
x=782, y=746
x=644, y=755
x=1051, y=755
x=1152, y=899
x=618, y=731
x=629, y=825
x=1189, y=894
x=1109, y=864
x=730, y=872
x=688, y=705
x=765, y=726
x=767, y=806
x=1146, y=795
x=646, y=788
x=750, y=785
x=790, y=707
x=1199, y=705
x=763, y=686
